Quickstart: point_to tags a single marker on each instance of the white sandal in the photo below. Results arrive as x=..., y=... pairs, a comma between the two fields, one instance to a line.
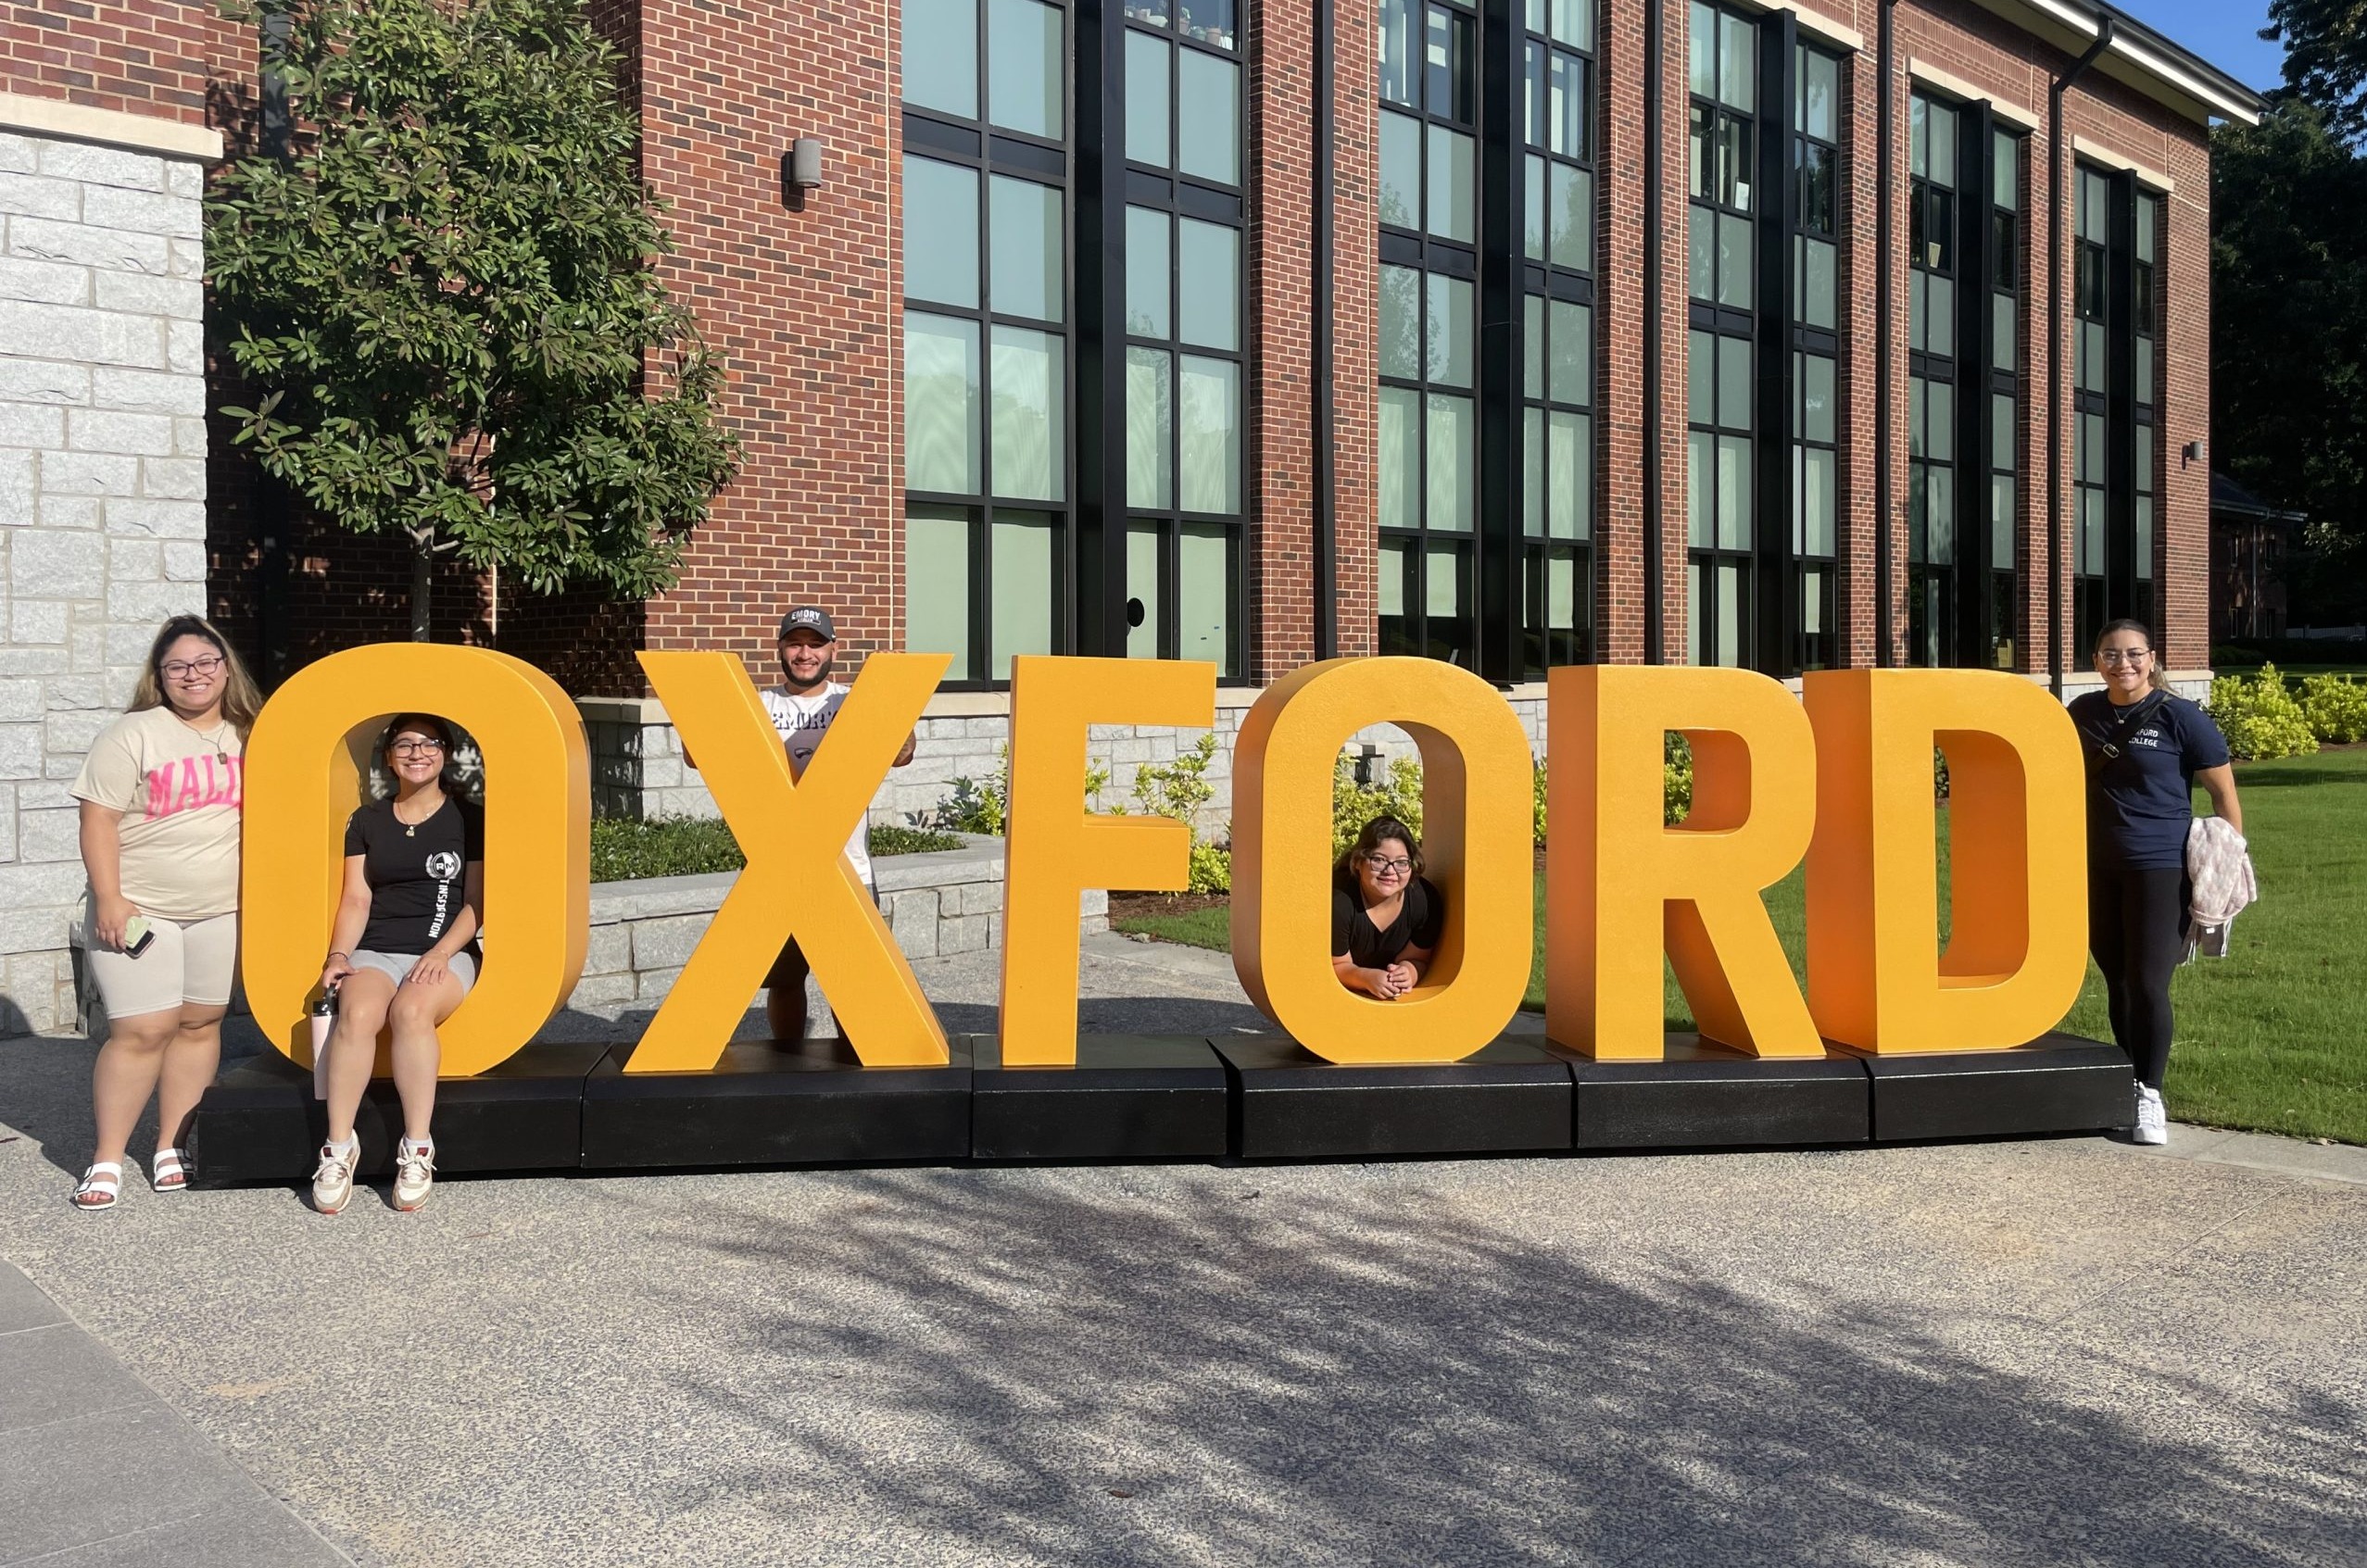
x=105, y=1180
x=168, y=1171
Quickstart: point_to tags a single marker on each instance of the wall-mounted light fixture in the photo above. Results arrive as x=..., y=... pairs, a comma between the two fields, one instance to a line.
x=801, y=171
x=2192, y=452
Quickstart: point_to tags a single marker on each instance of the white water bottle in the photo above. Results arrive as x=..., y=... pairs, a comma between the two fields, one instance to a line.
x=324, y=1019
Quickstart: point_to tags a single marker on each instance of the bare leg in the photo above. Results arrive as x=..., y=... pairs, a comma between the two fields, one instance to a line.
x=784, y=1011
x=416, y=1011
x=189, y=1065
x=125, y=1075
x=362, y=1002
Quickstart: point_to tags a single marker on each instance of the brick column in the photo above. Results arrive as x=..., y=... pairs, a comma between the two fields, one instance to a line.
x=799, y=298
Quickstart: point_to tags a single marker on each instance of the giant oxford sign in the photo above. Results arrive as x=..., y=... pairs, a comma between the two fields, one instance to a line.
x=1840, y=777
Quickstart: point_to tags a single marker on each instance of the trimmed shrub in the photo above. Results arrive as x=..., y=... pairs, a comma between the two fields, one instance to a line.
x=983, y=805
x=2335, y=706
x=887, y=838
x=1398, y=793
x=2259, y=718
x=979, y=805
x=1178, y=790
x=627, y=851
x=1676, y=779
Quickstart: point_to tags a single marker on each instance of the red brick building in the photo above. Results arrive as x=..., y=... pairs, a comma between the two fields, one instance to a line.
x=1513, y=333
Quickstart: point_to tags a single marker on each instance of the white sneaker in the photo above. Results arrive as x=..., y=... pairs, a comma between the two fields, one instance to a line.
x=333, y=1180
x=2153, y=1117
x=414, y=1174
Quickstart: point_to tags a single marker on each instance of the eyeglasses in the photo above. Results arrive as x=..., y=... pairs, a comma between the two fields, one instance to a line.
x=183, y=668
x=2130, y=656
x=409, y=747
x=1381, y=864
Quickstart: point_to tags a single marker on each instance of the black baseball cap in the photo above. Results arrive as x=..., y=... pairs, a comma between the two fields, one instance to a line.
x=808, y=617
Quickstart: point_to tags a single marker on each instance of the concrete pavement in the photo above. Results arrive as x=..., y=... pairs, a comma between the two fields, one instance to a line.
x=95, y=1469
x=2015, y=1353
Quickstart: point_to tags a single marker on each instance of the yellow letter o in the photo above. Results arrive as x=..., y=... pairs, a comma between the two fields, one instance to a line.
x=1478, y=845
x=303, y=780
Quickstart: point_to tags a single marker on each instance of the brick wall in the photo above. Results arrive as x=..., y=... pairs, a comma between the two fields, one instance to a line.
x=158, y=58
x=802, y=302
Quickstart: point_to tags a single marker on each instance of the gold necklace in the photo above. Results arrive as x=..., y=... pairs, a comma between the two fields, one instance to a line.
x=411, y=830
x=221, y=752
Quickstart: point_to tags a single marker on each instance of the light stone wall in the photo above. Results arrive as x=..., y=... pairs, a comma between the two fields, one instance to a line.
x=638, y=769
x=101, y=499
x=938, y=906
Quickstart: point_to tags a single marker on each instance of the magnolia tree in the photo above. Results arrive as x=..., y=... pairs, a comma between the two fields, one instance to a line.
x=443, y=301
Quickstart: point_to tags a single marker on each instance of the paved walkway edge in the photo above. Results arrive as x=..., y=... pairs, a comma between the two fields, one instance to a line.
x=2263, y=1151
x=76, y=1423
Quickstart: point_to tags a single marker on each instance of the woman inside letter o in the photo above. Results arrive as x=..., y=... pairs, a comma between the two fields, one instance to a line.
x=2147, y=749
x=161, y=790
x=403, y=949
x=1385, y=915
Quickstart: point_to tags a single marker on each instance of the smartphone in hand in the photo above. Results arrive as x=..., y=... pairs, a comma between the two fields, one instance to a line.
x=137, y=935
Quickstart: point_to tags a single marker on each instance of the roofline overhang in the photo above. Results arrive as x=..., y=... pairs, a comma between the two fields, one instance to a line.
x=2140, y=56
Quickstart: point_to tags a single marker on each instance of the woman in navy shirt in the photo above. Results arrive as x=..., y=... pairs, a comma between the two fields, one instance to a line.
x=2147, y=749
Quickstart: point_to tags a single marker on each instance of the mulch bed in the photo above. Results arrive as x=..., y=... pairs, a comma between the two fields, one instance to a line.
x=1124, y=905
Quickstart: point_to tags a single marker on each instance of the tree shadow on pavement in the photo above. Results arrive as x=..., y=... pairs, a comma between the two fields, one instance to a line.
x=1222, y=1374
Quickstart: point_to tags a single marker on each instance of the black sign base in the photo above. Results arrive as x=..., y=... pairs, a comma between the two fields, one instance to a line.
x=1128, y=1098
x=260, y=1124
x=1704, y=1095
x=1290, y=1104
x=774, y=1104
x=572, y=1106
x=2056, y=1083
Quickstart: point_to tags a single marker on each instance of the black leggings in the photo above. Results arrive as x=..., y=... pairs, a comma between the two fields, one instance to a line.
x=2136, y=929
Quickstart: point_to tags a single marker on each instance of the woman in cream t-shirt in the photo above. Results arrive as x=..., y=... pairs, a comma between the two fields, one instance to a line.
x=161, y=791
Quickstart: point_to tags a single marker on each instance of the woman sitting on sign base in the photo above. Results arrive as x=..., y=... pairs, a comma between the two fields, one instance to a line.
x=1386, y=916
x=403, y=949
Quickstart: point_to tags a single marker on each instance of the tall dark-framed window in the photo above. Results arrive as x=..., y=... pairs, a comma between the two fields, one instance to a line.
x=988, y=359
x=1185, y=367
x=1933, y=253
x=2144, y=310
x=1557, y=333
x=1429, y=310
x=1723, y=194
x=1964, y=239
x=2007, y=233
x=1814, y=204
x=2092, y=291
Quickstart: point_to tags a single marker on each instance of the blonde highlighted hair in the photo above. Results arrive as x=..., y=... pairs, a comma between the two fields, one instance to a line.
x=241, y=699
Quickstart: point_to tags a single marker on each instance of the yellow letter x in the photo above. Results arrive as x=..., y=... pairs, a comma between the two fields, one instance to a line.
x=798, y=882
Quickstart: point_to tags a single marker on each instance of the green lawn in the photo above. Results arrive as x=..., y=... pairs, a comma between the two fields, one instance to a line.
x=2272, y=1037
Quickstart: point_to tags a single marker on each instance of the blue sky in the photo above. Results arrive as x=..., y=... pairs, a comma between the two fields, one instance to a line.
x=2225, y=32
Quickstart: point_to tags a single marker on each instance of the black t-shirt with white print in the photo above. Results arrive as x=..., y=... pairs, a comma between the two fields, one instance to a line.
x=417, y=875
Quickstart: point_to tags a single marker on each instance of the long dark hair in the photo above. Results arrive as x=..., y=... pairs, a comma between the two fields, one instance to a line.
x=2154, y=677
x=241, y=701
x=1378, y=832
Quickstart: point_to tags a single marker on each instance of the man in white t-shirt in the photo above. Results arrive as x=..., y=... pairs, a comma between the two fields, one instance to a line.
x=801, y=708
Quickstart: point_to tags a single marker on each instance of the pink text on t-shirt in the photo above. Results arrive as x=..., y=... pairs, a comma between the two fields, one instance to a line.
x=194, y=782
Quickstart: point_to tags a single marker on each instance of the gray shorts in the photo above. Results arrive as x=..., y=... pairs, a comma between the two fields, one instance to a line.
x=189, y=963
x=397, y=966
